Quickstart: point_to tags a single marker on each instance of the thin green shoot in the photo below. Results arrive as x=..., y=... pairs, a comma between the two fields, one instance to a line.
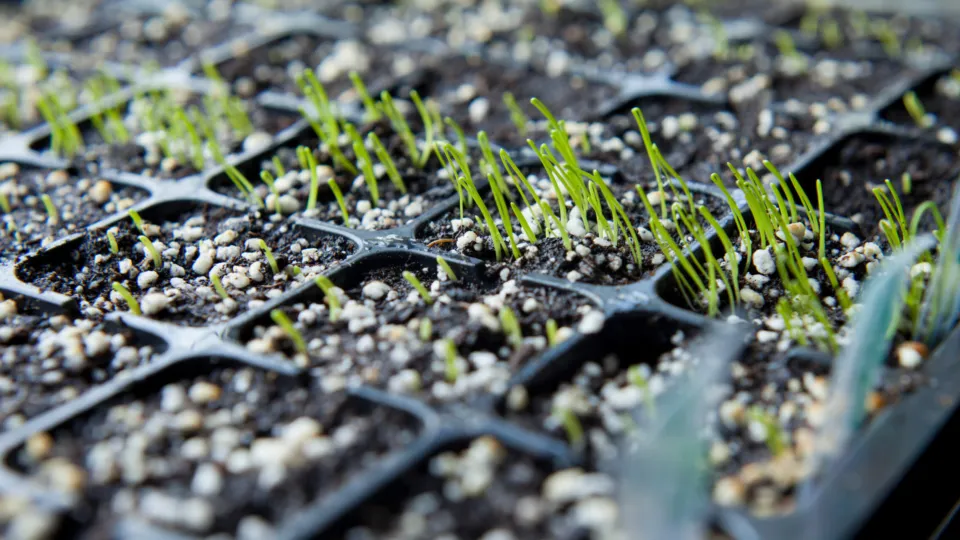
x=428, y=129
x=571, y=424
x=53, y=217
x=511, y=326
x=151, y=250
x=517, y=116
x=774, y=433
x=283, y=321
x=269, y=180
x=524, y=224
x=426, y=330
x=124, y=293
x=565, y=237
x=370, y=111
x=414, y=282
x=338, y=194
x=551, y=331
x=635, y=377
x=333, y=301
x=450, y=360
x=112, y=240
x=365, y=162
x=614, y=17
x=278, y=167
x=218, y=285
x=916, y=110
x=137, y=221
x=271, y=260
x=842, y=297
x=384, y=156
x=309, y=163
x=447, y=269
x=5, y=203
x=400, y=126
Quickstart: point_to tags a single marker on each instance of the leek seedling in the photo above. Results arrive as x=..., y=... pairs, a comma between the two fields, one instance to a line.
x=283, y=321
x=426, y=329
x=53, y=217
x=906, y=183
x=151, y=250
x=511, y=327
x=571, y=424
x=218, y=286
x=458, y=131
x=335, y=188
x=551, y=331
x=137, y=221
x=269, y=180
x=774, y=434
x=4, y=203
x=450, y=360
x=384, y=156
x=415, y=283
x=309, y=163
x=365, y=163
x=268, y=253
x=400, y=126
x=124, y=293
x=278, y=167
x=614, y=17
x=333, y=301
x=517, y=116
x=447, y=269
x=916, y=111
x=370, y=111
x=112, y=240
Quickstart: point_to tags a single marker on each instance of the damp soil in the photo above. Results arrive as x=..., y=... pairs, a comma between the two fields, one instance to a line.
x=275, y=65
x=49, y=360
x=383, y=345
x=79, y=200
x=237, y=448
x=86, y=269
x=850, y=171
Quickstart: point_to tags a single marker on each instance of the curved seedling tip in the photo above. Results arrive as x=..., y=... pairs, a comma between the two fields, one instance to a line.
x=858, y=366
x=664, y=461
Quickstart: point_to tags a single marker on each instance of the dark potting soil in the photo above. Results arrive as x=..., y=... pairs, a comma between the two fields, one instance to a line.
x=862, y=163
x=464, y=84
x=87, y=269
x=79, y=200
x=381, y=344
x=49, y=360
x=275, y=65
x=235, y=450
x=438, y=500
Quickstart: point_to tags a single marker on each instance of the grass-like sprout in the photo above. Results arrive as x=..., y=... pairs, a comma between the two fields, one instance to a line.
x=571, y=424
x=137, y=221
x=309, y=163
x=426, y=329
x=370, y=111
x=774, y=434
x=635, y=377
x=338, y=195
x=916, y=110
x=53, y=217
x=517, y=116
x=268, y=253
x=450, y=360
x=124, y=293
x=384, y=156
x=365, y=163
x=614, y=16
x=551, y=331
x=906, y=183
x=785, y=44
x=218, y=285
x=151, y=250
x=330, y=295
x=4, y=203
x=415, y=283
x=283, y=321
x=112, y=240
x=278, y=167
x=400, y=126
x=458, y=131
x=447, y=269
x=271, y=183
x=325, y=125
x=511, y=327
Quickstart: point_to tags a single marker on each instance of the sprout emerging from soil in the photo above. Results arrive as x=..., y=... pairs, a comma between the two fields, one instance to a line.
x=551, y=331
x=773, y=433
x=333, y=301
x=124, y=293
x=4, y=203
x=637, y=378
x=511, y=327
x=271, y=260
x=283, y=321
x=445, y=266
x=137, y=221
x=53, y=217
x=450, y=360
x=151, y=250
x=414, y=282
x=371, y=113
x=112, y=240
x=571, y=424
x=426, y=330
x=916, y=111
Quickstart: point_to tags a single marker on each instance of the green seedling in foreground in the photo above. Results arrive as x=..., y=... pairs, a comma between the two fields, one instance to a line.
x=384, y=156
x=511, y=327
x=370, y=111
x=415, y=283
x=446, y=269
x=333, y=301
x=53, y=217
x=151, y=250
x=218, y=286
x=271, y=260
x=614, y=17
x=4, y=203
x=124, y=293
x=309, y=163
x=551, y=331
x=137, y=221
x=283, y=321
x=571, y=424
x=269, y=180
x=450, y=360
x=112, y=240
x=916, y=110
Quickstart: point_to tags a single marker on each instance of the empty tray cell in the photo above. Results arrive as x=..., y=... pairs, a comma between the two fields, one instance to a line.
x=933, y=107
x=275, y=65
x=418, y=186
x=488, y=491
x=469, y=339
x=47, y=204
x=197, y=247
x=231, y=450
x=169, y=133
x=49, y=359
x=919, y=171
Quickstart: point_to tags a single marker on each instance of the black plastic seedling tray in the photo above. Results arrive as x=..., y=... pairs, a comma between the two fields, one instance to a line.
x=645, y=314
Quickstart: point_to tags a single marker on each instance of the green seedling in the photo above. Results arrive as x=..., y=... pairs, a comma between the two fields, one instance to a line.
x=450, y=360
x=551, y=331
x=774, y=433
x=137, y=221
x=151, y=250
x=309, y=163
x=370, y=111
x=614, y=16
x=384, y=156
x=511, y=327
x=916, y=110
x=53, y=217
x=447, y=269
x=333, y=301
x=415, y=283
x=571, y=424
x=338, y=195
x=517, y=116
x=271, y=183
x=636, y=378
x=112, y=240
x=278, y=167
x=124, y=293
x=218, y=286
x=365, y=163
x=271, y=260
x=283, y=321
x=906, y=183
x=426, y=330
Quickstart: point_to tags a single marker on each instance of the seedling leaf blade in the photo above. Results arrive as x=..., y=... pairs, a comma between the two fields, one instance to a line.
x=941, y=304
